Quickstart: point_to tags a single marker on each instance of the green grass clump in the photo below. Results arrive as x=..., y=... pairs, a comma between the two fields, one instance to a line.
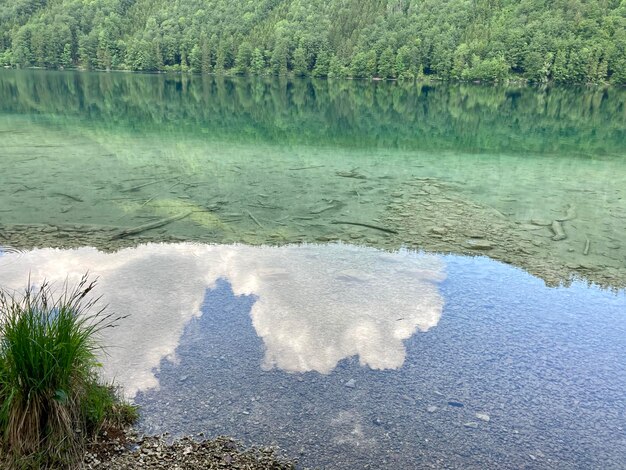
x=51, y=398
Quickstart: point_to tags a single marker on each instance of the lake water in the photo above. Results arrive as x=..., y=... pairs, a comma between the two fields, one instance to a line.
x=365, y=274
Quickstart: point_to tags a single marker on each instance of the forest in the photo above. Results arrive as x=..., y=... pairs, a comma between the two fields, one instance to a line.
x=561, y=41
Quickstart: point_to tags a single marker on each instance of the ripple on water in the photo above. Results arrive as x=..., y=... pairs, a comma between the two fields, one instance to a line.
x=9, y=250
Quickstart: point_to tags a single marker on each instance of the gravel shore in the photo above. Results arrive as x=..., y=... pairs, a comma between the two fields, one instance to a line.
x=128, y=450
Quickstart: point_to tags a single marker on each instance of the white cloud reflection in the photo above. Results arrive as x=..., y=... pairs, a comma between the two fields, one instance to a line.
x=317, y=304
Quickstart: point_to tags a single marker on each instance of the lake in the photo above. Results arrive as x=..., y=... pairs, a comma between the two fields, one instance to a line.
x=368, y=275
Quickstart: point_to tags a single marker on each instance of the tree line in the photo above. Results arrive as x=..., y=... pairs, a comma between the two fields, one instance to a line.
x=564, y=41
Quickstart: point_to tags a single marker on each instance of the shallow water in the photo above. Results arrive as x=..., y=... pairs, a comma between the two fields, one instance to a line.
x=352, y=357
x=366, y=274
x=534, y=178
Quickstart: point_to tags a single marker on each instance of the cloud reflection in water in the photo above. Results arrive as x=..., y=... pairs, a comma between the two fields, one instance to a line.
x=316, y=304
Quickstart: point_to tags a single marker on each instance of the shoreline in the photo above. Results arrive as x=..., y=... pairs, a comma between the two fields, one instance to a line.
x=128, y=449
x=517, y=81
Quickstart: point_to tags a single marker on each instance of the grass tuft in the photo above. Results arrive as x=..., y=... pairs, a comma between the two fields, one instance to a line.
x=51, y=398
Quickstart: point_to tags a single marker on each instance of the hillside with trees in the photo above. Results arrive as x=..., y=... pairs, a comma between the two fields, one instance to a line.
x=564, y=41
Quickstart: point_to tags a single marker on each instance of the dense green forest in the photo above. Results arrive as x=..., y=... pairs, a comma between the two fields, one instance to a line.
x=537, y=40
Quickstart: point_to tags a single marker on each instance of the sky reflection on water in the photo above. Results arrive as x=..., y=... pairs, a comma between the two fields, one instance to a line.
x=313, y=348
x=315, y=305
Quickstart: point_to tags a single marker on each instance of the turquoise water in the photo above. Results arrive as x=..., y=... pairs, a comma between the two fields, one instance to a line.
x=532, y=177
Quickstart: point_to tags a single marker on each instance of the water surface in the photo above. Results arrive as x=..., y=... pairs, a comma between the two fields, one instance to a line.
x=350, y=357
x=532, y=177
x=382, y=275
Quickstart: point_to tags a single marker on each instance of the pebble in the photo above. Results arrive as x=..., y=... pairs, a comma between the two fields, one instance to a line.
x=350, y=383
x=483, y=416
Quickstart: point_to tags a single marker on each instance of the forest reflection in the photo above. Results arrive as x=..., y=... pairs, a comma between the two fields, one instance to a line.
x=349, y=113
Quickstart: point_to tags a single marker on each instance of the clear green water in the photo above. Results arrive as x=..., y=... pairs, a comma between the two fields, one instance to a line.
x=448, y=168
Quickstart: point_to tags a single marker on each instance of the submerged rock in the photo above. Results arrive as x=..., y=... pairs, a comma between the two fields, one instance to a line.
x=479, y=244
x=438, y=230
x=456, y=404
